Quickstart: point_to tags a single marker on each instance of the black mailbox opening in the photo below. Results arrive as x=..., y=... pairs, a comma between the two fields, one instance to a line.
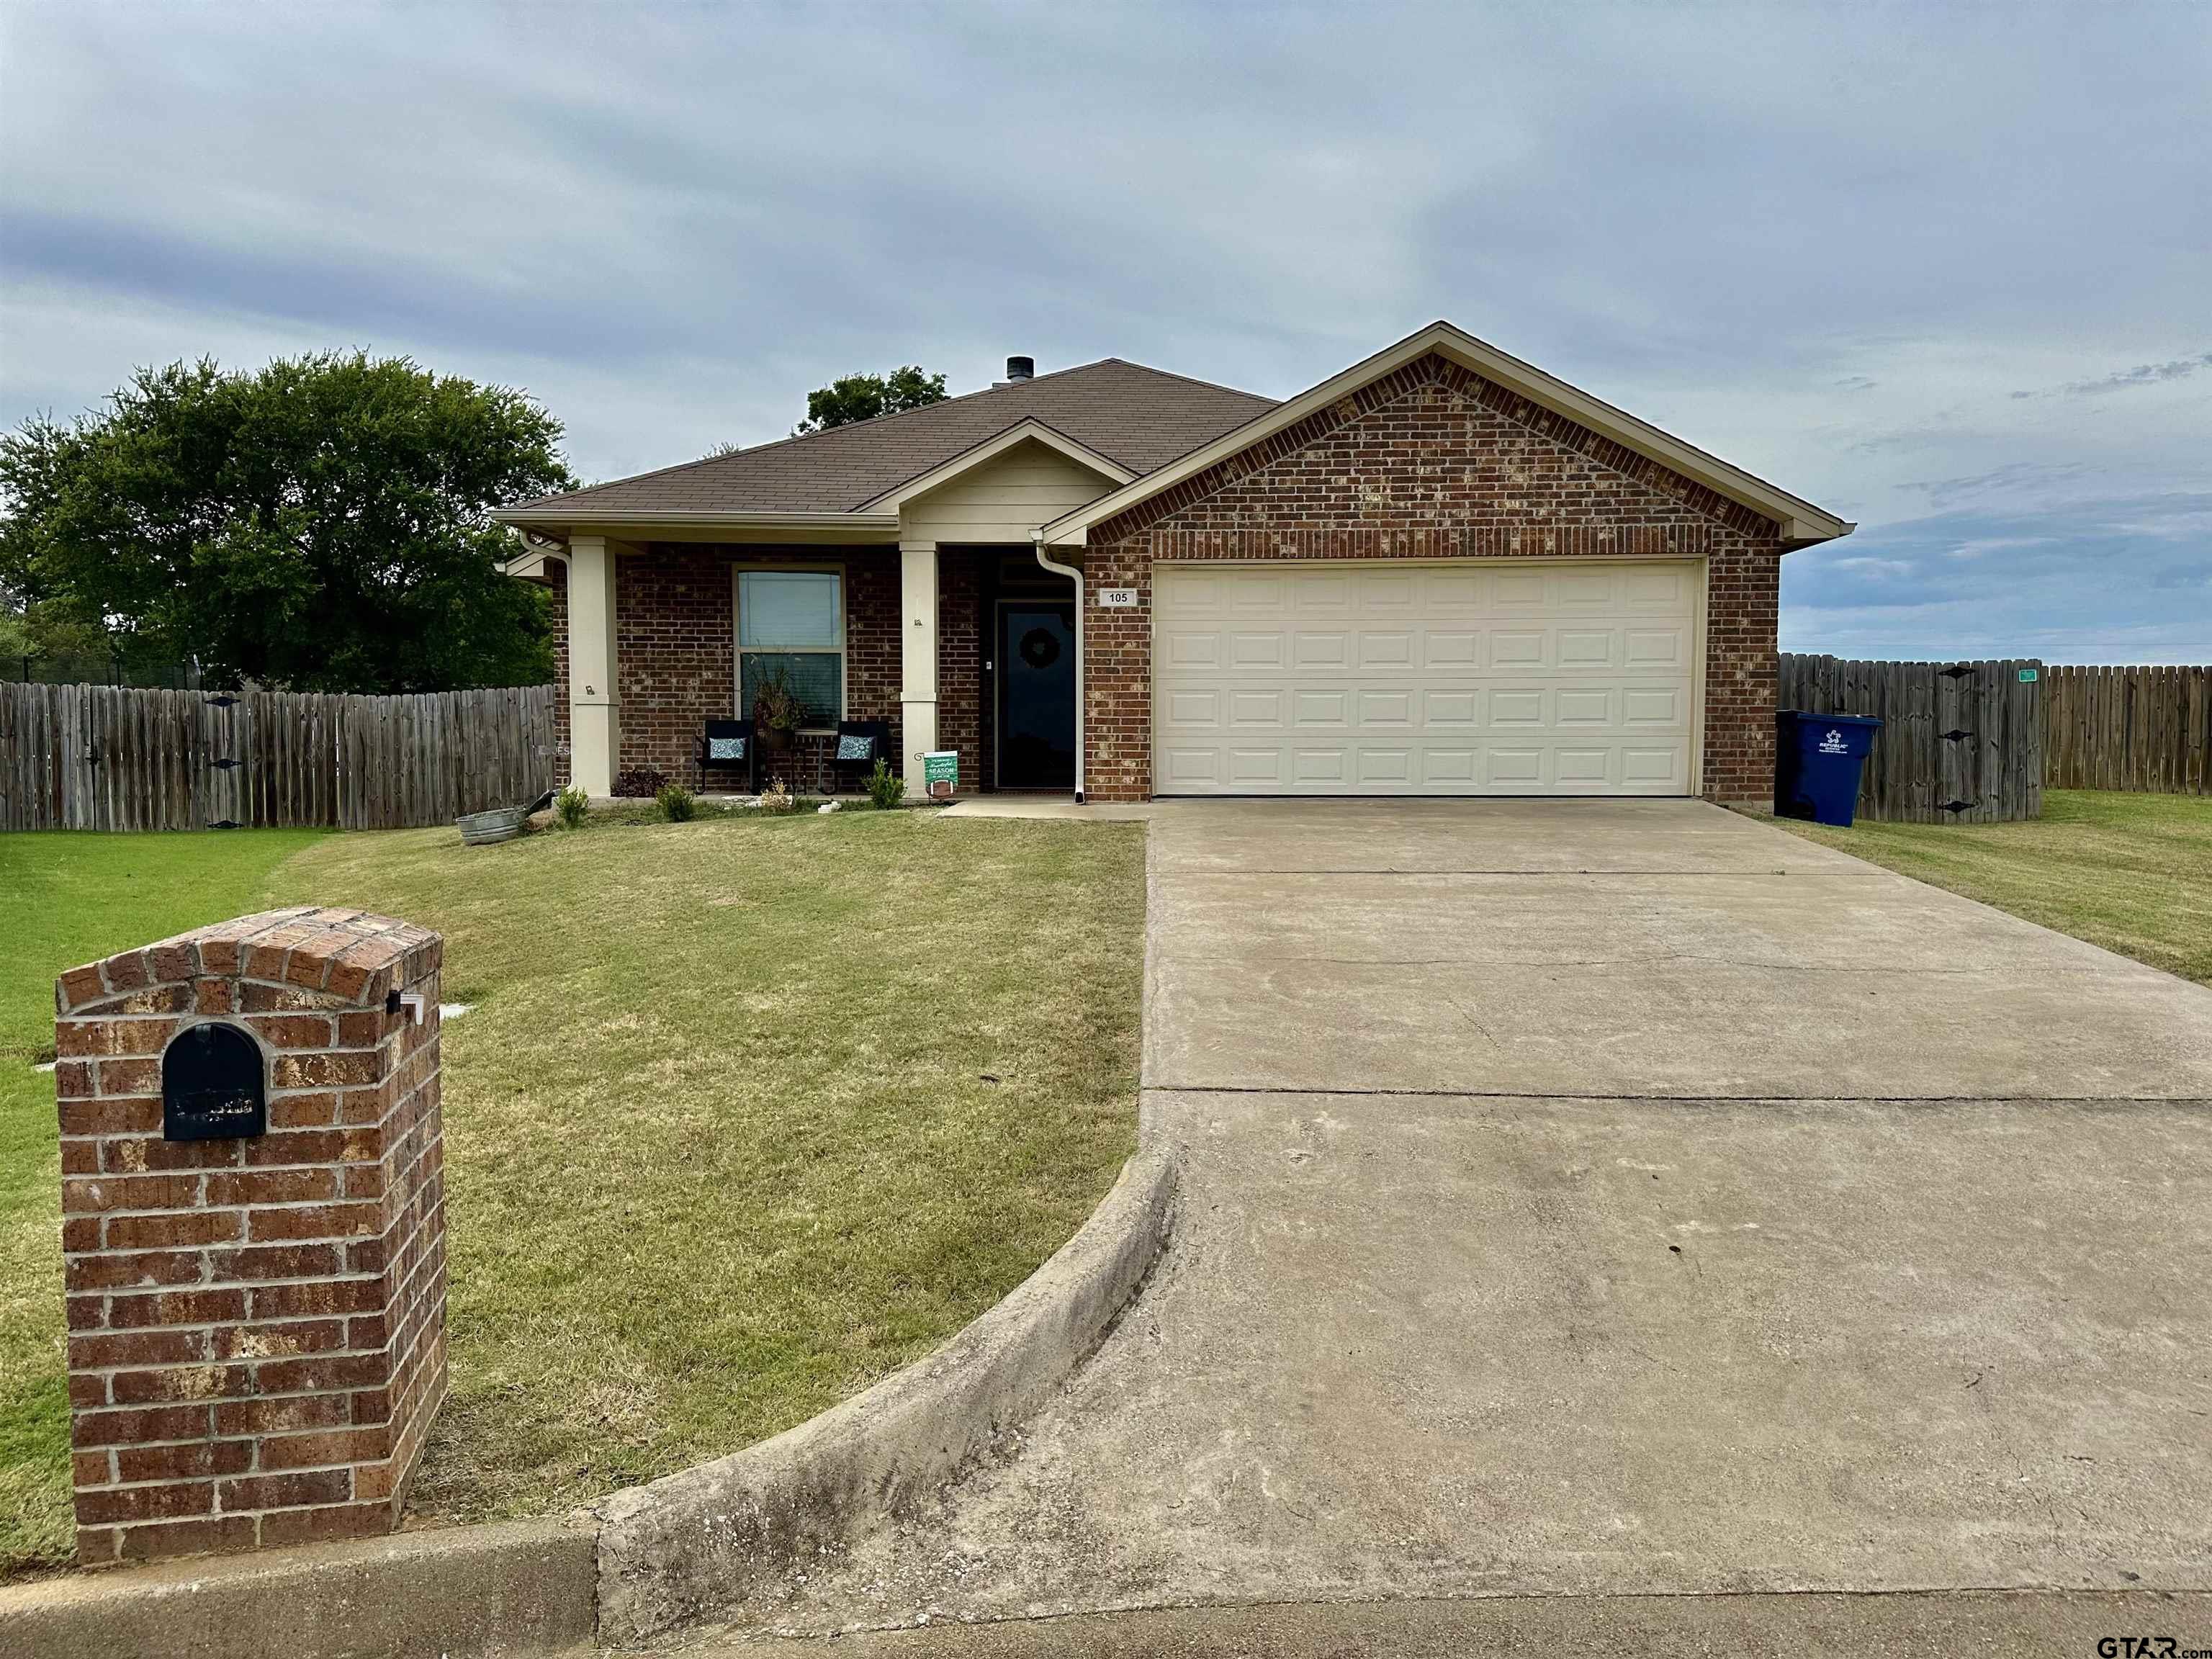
x=212, y=1086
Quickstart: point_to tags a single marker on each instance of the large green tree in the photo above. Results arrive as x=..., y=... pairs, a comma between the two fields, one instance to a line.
x=863, y=396
x=320, y=524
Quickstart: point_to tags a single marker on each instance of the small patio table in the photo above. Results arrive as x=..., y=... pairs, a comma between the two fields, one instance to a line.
x=819, y=742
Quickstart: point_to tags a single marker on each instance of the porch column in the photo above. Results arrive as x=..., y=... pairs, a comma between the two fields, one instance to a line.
x=595, y=706
x=918, y=657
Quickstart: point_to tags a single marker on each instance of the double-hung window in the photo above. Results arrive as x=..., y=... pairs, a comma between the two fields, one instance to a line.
x=792, y=621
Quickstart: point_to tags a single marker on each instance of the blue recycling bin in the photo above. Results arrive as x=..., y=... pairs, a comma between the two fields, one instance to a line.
x=1816, y=764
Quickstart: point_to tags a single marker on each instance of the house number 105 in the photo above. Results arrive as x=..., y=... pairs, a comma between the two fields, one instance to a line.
x=1117, y=598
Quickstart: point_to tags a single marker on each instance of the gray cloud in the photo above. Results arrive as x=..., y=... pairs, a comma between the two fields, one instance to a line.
x=2174, y=368
x=2009, y=479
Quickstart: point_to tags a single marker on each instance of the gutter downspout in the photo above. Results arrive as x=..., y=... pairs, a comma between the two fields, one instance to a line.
x=1075, y=573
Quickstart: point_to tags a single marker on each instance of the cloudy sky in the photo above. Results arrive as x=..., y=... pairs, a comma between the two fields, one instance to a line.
x=1945, y=272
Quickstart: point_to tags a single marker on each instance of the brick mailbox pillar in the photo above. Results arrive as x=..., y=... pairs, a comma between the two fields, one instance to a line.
x=256, y=1287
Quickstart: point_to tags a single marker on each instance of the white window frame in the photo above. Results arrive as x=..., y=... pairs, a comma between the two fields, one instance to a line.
x=738, y=647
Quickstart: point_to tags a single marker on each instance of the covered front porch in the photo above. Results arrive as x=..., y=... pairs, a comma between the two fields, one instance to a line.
x=965, y=649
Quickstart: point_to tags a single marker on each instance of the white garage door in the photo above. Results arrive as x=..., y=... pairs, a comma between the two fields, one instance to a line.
x=1535, y=677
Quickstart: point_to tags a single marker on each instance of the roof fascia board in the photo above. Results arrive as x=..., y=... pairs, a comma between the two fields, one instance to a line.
x=672, y=525
x=685, y=515
x=1030, y=430
x=1800, y=521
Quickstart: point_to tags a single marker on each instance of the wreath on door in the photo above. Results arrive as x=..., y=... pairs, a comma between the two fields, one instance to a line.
x=1039, y=648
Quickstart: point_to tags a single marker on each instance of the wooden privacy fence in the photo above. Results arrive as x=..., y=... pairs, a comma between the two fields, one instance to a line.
x=106, y=757
x=1960, y=743
x=2128, y=728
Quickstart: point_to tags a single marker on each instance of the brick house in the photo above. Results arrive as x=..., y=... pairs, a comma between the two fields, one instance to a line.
x=1441, y=572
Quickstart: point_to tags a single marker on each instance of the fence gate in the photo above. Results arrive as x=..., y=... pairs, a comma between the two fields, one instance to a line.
x=1960, y=743
x=105, y=757
x=220, y=764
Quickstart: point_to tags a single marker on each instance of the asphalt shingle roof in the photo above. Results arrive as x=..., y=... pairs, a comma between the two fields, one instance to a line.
x=1141, y=417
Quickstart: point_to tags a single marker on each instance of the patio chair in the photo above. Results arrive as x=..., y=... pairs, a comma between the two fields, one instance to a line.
x=728, y=744
x=860, y=745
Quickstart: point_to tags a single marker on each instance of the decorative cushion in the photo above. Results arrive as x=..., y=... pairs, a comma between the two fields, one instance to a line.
x=856, y=746
x=725, y=748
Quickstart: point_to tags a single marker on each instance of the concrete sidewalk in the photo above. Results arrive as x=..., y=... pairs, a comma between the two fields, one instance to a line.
x=1598, y=1200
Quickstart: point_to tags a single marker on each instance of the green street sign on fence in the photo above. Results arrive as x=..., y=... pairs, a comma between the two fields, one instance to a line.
x=2027, y=674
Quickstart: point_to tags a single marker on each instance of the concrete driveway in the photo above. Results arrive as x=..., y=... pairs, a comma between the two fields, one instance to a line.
x=1616, y=1199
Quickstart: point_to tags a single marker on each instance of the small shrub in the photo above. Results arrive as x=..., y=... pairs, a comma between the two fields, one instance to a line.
x=777, y=797
x=676, y=802
x=570, y=806
x=641, y=783
x=886, y=788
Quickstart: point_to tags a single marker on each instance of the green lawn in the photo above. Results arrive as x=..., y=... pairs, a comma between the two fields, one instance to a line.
x=2130, y=872
x=67, y=898
x=749, y=1113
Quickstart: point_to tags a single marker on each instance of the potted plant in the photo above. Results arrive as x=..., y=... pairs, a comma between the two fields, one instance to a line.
x=775, y=709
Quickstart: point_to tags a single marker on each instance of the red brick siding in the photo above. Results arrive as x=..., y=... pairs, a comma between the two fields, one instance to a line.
x=872, y=640
x=1431, y=462
x=960, y=661
x=675, y=624
x=986, y=688
x=1743, y=600
x=557, y=610
x=256, y=1327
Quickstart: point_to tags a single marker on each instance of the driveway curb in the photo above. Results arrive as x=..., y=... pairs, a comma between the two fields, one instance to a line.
x=648, y=1558
x=2044, y=1624
x=701, y=1539
x=508, y=1587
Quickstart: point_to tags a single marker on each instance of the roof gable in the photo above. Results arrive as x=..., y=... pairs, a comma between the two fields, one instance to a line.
x=1550, y=402
x=989, y=450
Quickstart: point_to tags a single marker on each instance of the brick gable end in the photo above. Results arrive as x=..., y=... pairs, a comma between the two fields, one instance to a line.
x=1433, y=462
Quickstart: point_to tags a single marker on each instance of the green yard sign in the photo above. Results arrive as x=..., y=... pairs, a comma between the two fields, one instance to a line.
x=940, y=771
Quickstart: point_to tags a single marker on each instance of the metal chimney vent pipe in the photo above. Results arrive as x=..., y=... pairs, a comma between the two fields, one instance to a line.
x=1021, y=368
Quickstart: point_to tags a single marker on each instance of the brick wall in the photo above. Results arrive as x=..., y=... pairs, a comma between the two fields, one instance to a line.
x=556, y=572
x=1432, y=462
x=960, y=660
x=676, y=622
x=676, y=652
x=255, y=1326
x=872, y=640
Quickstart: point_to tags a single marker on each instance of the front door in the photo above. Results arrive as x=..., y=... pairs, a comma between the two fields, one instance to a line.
x=1036, y=695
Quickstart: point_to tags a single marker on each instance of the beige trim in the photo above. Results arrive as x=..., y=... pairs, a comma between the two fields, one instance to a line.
x=529, y=565
x=1028, y=430
x=1800, y=521
x=594, y=665
x=917, y=625
x=1698, y=621
x=784, y=529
